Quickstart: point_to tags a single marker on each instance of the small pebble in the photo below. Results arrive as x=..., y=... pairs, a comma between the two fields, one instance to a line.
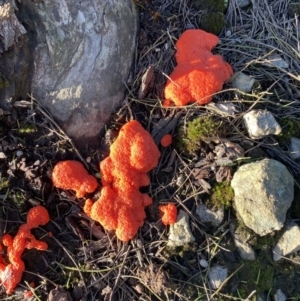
x=2, y=155
x=19, y=153
x=203, y=263
x=88, y=160
x=180, y=180
x=139, y=288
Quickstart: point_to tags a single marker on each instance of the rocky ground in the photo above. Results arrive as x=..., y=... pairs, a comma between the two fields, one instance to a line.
x=221, y=257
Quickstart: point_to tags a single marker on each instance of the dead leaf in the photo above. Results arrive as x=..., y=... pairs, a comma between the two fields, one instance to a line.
x=223, y=174
x=164, y=126
x=59, y=294
x=147, y=82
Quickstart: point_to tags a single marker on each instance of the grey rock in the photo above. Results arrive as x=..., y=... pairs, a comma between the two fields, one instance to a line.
x=240, y=240
x=216, y=276
x=208, y=216
x=14, y=56
x=264, y=191
x=276, y=61
x=279, y=296
x=81, y=60
x=288, y=243
x=10, y=27
x=295, y=148
x=243, y=82
x=245, y=250
x=260, y=123
x=180, y=232
x=223, y=108
x=203, y=263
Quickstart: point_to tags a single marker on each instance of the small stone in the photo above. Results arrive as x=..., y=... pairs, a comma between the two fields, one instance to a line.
x=228, y=33
x=288, y=243
x=208, y=216
x=261, y=123
x=295, y=148
x=180, y=180
x=243, y=82
x=276, y=61
x=280, y=296
x=88, y=160
x=245, y=250
x=224, y=108
x=180, y=232
x=2, y=155
x=203, y=263
x=139, y=288
x=243, y=3
x=217, y=275
x=19, y=153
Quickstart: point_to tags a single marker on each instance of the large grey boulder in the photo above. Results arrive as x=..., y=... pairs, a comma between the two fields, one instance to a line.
x=14, y=56
x=263, y=191
x=81, y=53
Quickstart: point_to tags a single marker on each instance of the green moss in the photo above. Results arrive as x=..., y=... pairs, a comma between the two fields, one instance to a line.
x=18, y=200
x=189, y=138
x=4, y=183
x=221, y=194
x=256, y=275
x=211, y=5
x=212, y=22
x=293, y=9
x=290, y=128
x=27, y=128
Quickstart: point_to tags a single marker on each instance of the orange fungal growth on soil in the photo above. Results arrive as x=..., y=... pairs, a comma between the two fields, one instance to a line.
x=11, y=273
x=199, y=73
x=121, y=204
x=166, y=140
x=169, y=212
x=71, y=174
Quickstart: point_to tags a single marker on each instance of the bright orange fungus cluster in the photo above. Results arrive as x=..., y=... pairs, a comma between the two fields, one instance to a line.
x=169, y=212
x=72, y=175
x=11, y=271
x=199, y=74
x=121, y=204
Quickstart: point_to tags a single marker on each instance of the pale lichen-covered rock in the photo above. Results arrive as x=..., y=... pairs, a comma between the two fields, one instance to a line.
x=264, y=191
x=216, y=276
x=288, y=243
x=261, y=123
x=180, y=232
x=215, y=217
x=243, y=82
